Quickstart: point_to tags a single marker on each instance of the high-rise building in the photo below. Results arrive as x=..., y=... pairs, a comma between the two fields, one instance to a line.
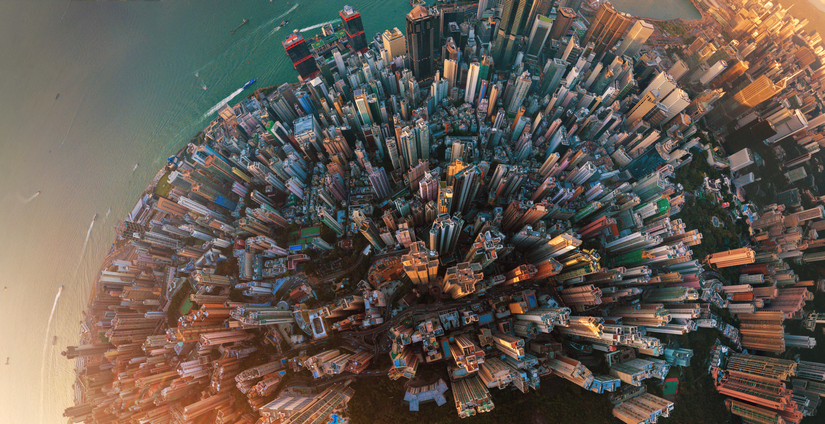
x=422, y=134
x=351, y=21
x=514, y=22
x=675, y=102
x=302, y=60
x=494, y=93
x=520, y=90
x=539, y=35
x=370, y=232
x=428, y=187
x=450, y=72
x=465, y=187
x=564, y=20
x=731, y=73
x=421, y=42
x=472, y=80
x=635, y=38
x=642, y=107
x=551, y=77
x=331, y=222
x=460, y=280
x=445, y=232
x=379, y=182
x=421, y=264
x=713, y=72
x=394, y=42
x=607, y=28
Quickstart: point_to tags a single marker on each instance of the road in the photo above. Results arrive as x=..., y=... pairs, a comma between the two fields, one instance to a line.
x=362, y=338
x=334, y=275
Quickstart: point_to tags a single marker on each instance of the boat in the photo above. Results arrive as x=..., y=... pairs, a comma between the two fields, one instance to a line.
x=283, y=23
x=135, y=168
x=7, y=360
x=94, y=218
x=54, y=340
x=252, y=81
x=58, y=95
x=37, y=194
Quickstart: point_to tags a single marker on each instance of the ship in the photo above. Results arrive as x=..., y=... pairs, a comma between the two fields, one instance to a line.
x=245, y=21
x=252, y=81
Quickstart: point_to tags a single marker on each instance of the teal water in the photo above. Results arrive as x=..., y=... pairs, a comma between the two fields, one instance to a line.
x=658, y=9
x=125, y=72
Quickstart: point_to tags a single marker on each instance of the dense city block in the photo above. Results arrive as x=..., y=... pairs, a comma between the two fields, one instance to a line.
x=501, y=196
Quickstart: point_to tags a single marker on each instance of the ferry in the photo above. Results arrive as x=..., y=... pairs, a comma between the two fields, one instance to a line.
x=252, y=81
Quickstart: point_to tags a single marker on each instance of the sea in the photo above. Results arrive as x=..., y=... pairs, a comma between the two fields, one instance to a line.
x=94, y=96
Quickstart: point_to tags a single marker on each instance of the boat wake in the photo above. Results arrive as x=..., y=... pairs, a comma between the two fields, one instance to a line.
x=29, y=199
x=45, y=345
x=85, y=245
x=223, y=102
x=318, y=25
x=251, y=34
x=71, y=125
x=283, y=15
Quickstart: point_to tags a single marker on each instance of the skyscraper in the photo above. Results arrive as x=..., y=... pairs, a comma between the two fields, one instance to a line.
x=642, y=107
x=607, y=28
x=331, y=222
x=514, y=22
x=564, y=20
x=522, y=86
x=472, y=80
x=635, y=39
x=370, y=232
x=465, y=187
x=351, y=21
x=552, y=74
x=379, y=182
x=302, y=60
x=421, y=264
x=394, y=42
x=450, y=71
x=538, y=35
x=756, y=92
x=421, y=42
